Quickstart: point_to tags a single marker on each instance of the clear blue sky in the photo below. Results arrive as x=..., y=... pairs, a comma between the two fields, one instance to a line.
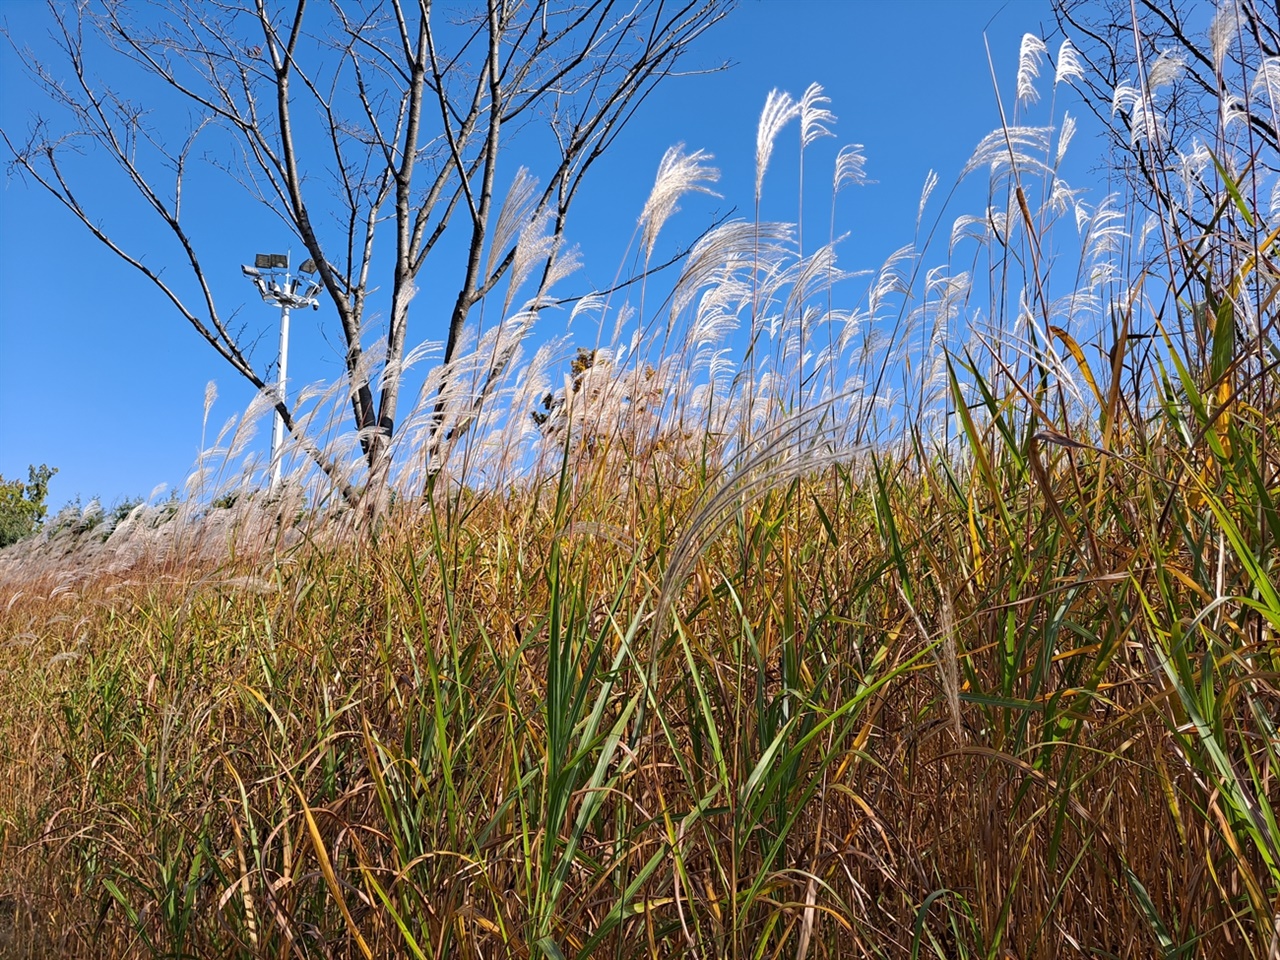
x=102, y=379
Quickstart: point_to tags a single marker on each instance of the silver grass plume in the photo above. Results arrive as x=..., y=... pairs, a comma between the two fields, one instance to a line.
x=565, y=261
x=1191, y=168
x=798, y=445
x=210, y=395
x=1106, y=234
x=1064, y=137
x=724, y=250
x=1070, y=66
x=1021, y=146
x=814, y=116
x=811, y=274
x=1082, y=218
x=535, y=245
x=1062, y=197
x=1149, y=226
x=591, y=303
x=392, y=372
x=1166, y=68
x=1267, y=80
x=516, y=209
x=1223, y=30
x=891, y=277
x=930, y=182
x=779, y=110
x=678, y=173
x=963, y=228
x=1231, y=109
x=1032, y=52
x=850, y=167
x=1146, y=124
x=946, y=653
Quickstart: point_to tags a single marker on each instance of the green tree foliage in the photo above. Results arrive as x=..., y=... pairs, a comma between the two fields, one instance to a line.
x=22, y=506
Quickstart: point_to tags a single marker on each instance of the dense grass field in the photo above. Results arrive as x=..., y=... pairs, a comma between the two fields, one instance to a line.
x=994, y=676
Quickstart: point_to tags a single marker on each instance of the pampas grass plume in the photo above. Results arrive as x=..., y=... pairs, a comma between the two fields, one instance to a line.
x=678, y=173
x=779, y=110
x=1033, y=50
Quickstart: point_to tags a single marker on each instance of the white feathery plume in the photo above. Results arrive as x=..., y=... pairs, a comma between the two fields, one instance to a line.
x=564, y=261
x=1149, y=226
x=850, y=166
x=945, y=286
x=516, y=208
x=622, y=316
x=1023, y=146
x=1145, y=122
x=1275, y=198
x=963, y=227
x=1063, y=196
x=1070, y=66
x=1192, y=166
x=891, y=277
x=724, y=249
x=1082, y=217
x=312, y=391
x=930, y=182
x=1076, y=308
x=1165, y=69
x=678, y=173
x=1223, y=30
x=1064, y=137
x=811, y=274
x=1267, y=79
x=590, y=303
x=814, y=116
x=1232, y=110
x=718, y=315
x=210, y=395
x=1102, y=273
x=1106, y=234
x=1033, y=50
x=779, y=110
x=535, y=244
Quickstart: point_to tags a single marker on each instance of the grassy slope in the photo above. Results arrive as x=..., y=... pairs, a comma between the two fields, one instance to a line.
x=442, y=744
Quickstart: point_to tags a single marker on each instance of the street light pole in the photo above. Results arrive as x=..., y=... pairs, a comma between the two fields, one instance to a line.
x=270, y=274
x=277, y=433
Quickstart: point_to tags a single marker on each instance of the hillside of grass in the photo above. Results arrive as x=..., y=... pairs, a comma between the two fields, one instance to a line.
x=939, y=625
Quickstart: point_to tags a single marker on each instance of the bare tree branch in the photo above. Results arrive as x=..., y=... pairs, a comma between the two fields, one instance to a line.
x=355, y=125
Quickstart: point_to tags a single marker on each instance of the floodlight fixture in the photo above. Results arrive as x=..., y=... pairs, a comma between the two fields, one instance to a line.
x=270, y=275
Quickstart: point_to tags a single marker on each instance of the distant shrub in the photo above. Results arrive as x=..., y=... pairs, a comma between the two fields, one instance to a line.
x=120, y=512
x=22, y=506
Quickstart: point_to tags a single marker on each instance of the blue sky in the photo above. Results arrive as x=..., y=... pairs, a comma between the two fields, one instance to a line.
x=102, y=379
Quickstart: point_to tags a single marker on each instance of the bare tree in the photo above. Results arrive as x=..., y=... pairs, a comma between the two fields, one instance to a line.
x=356, y=123
x=1163, y=51
x=1189, y=91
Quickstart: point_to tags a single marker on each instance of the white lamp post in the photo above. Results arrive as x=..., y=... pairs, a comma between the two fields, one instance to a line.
x=270, y=274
